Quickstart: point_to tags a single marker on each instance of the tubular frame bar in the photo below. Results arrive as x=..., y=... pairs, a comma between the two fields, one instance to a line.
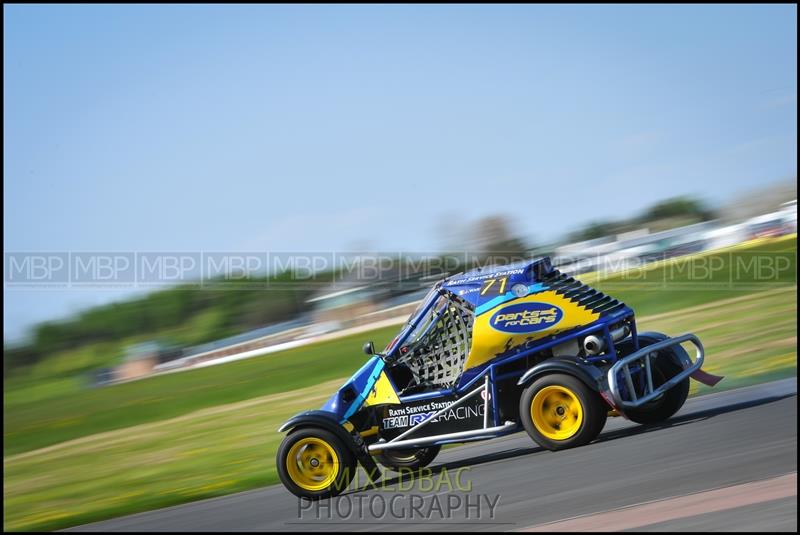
x=487, y=432
x=644, y=353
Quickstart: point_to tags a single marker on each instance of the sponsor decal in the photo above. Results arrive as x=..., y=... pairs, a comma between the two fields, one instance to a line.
x=482, y=277
x=413, y=415
x=526, y=317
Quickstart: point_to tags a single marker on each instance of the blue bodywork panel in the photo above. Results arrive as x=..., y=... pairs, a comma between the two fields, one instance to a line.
x=360, y=384
x=468, y=285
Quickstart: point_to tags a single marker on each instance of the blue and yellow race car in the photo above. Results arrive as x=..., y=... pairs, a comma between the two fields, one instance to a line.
x=488, y=353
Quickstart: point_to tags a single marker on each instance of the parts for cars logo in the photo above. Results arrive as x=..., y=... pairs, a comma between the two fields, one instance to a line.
x=526, y=317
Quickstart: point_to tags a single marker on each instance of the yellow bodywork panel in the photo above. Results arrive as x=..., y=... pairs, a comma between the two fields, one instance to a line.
x=522, y=321
x=382, y=393
x=372, y=431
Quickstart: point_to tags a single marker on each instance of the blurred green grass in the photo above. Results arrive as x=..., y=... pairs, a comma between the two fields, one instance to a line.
x=34, y=420
x=206, y=432
x=210, y=452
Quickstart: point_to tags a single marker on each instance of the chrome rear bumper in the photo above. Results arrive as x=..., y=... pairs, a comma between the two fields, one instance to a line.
x=644, y=355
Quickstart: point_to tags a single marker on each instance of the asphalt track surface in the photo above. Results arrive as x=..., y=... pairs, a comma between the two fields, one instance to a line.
x=726, y=461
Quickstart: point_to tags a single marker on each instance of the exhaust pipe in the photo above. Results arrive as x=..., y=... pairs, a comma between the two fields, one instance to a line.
x=594, y=345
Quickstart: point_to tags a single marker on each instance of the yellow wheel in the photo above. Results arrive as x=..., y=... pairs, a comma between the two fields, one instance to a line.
x=559, y=411
x=313, y=463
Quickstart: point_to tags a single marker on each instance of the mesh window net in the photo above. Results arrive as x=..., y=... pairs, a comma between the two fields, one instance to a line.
x=437, y=358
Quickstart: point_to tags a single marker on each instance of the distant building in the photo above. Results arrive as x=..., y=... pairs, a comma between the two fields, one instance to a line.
x=102, y=376
x=337, y=307
x=784, y=221
x=631, y=249
x=140, y=360
x=350, y=300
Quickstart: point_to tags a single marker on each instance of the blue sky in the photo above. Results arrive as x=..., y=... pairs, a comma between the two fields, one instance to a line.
x=283, y=128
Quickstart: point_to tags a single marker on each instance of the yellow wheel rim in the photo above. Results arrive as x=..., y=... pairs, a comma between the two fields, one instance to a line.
x=557, y=412
x=312, y=463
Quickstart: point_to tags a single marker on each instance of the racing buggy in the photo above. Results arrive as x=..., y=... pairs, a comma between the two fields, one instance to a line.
x=489, y=353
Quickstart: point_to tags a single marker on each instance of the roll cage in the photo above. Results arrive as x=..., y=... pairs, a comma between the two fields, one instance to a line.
x=435, y=342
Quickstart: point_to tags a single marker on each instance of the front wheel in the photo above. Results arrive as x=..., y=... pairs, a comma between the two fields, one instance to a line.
x=413, y=459
x=313, y=463
x=559, y=411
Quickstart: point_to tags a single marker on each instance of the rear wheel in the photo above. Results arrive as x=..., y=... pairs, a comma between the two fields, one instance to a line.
x=313, y=463
x=669, y=402
x=413, y=459
x=665, y=365
x=559, y=411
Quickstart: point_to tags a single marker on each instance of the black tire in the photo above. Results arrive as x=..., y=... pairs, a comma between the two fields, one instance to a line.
x=336, y=463
x=658, y=410
x=408, y=459
x=556, y=412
